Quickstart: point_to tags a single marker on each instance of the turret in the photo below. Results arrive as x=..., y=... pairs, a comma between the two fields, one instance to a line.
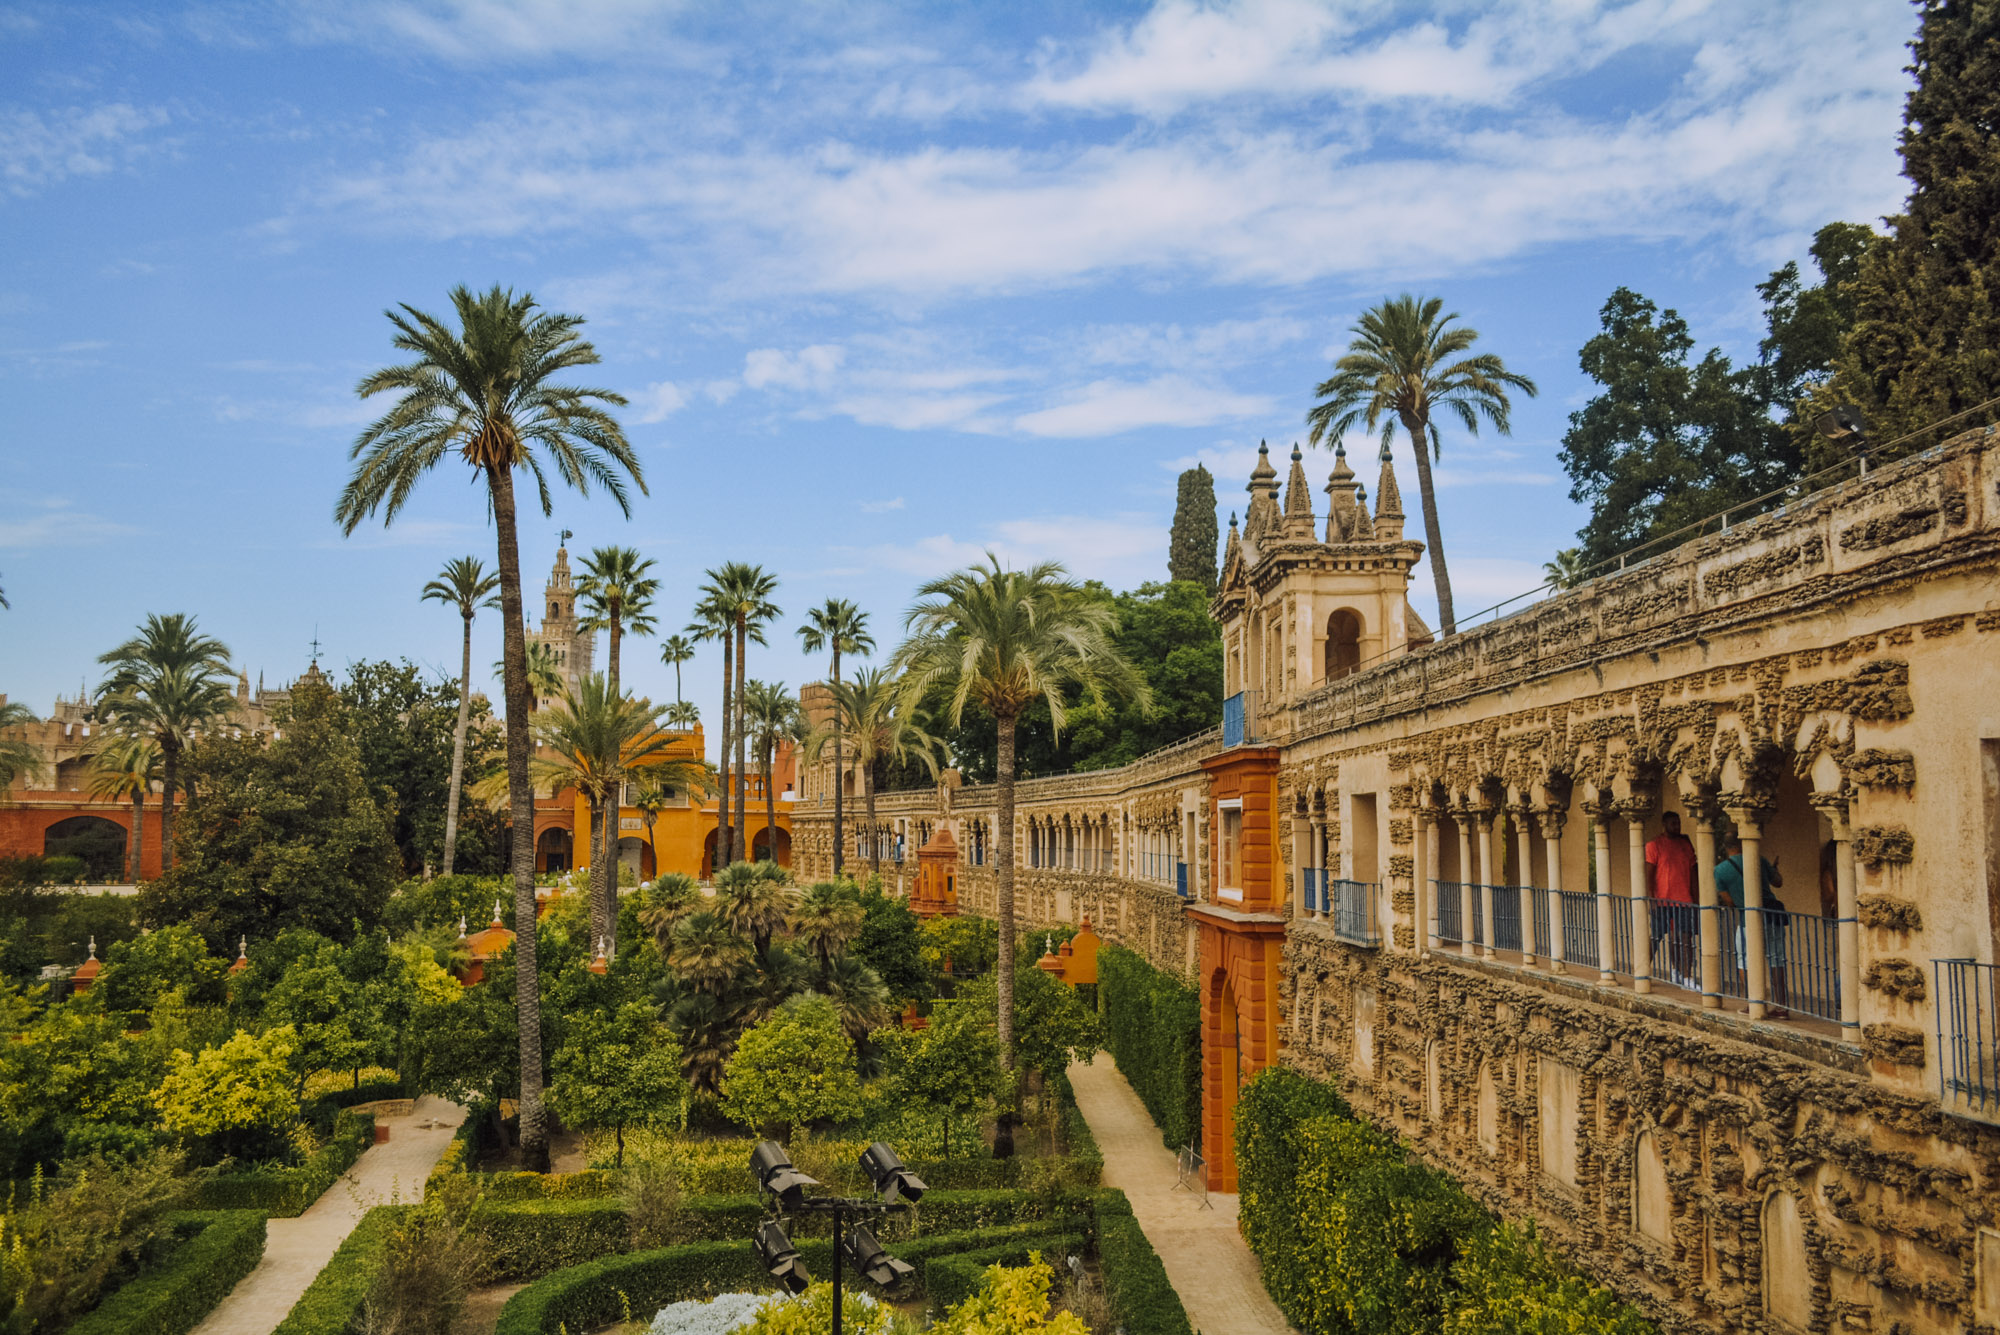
x=1388, y=501
x=1298, y=501
x=1263, y=516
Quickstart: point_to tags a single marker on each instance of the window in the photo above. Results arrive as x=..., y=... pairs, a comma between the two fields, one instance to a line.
x=1343, y=644
x=1232, y=851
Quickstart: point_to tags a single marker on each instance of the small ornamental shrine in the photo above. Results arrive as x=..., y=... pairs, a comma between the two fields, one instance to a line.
x=242, y=956
x=87, y=972
x=935, y=894
x=1075, y=961
x=489, y=942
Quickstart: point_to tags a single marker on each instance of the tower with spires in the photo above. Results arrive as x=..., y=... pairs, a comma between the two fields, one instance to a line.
x=574, y=650
x=1301, y=605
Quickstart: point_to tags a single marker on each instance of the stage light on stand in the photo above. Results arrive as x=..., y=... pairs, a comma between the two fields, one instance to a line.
x=772, y=1168
x=873, y=1260
x=893, y=1182
x=779, y=1257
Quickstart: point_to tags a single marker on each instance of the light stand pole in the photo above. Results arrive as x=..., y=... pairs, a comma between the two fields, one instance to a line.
x=897, y=1189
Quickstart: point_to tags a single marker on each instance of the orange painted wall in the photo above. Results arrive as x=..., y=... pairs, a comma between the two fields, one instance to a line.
x=28, y=813
x=1249, y=774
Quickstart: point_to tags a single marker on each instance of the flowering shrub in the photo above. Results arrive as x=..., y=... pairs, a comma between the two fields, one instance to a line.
x=811, y=1313
x=713, y=1316
x=1014, y=1301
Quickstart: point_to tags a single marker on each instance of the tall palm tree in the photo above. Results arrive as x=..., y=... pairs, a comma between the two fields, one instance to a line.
x=673, y=896
x=125, y=772
x=617, y=596
x=465, y=585
x=1399, y=368
x=681, y=714
x=543, y=671
x=18, y=757
x=840, y=627
x=745, y=590
x=713, y=620
x=487, y=391
x=707, y=953
x=754, y=905
x=1570, y=569
x=825, y=920
x=772, y=716
x=674, y=651
x=166, y=682
x=1003, y=639
x=873, y=716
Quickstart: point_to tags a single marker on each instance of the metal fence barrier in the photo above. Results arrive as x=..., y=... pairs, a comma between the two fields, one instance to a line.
x=1968, y=1037
x=1354, y=912
x=1191, y=1174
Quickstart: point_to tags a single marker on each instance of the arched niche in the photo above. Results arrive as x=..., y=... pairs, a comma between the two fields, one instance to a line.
x=1787, y=1276
x=1559, y=1093
x=1364, y=1031
x=1434, y=1080
x=1343, y=643
x=1652, y=1207
x=1486, y=1121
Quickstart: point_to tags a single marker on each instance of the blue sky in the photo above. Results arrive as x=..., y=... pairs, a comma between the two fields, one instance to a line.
x=886, y=285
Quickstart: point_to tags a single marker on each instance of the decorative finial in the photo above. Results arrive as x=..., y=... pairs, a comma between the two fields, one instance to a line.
x=1263, y=447
x=496, y=913
x=243, y=947
x=563, y=541
x=1385, y=452
x=93, y=946
x=461, y=927
x=1296, y=456
x=1232, y=519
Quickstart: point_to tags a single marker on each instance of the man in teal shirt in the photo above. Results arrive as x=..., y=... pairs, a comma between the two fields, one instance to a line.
x=1729, y=890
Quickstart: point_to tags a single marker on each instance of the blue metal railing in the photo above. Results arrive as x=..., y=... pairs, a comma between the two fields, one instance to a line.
x=1354, y=913
x=1733, y=979
x=1180, y=878
x=1507, y=917
x=1968, y=1037
x=1450, y=917
x=1239, y=719
x=1676, y=957
x=1802, y=954
x=1579, y=928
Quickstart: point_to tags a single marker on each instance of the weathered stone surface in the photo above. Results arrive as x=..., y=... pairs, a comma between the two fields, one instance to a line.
x=1881, y=845
x=1877, y=768
x=1887, y=911
x=1899, y=978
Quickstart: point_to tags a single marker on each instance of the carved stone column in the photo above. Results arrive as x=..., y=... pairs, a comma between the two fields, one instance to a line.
x=1847, y=930
x=1319, y=853
x=1302, y=841
x=1551, y=819
x=1635, y=810
x=1484, y=815
x=1703, y=810
x=1462, y=816
x=1750, y=828
x=1524, y=880
x=1423, y=884
x=1600, y=813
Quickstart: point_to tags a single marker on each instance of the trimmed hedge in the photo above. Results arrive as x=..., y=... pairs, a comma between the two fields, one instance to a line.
x=285, y=1192
x=216, y=1249
x=1357, y=1237
x=950, y=1280
x=1152, y=1026
x=331, y=1305
x=1135, y=1279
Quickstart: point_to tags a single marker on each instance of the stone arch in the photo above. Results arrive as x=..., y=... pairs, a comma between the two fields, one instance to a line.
x=1652, y=1204
x=1559, y=1096
x=553, y=849
x=1344, y=629
x=1434, y=1079
x=1363, y=1057
x=100, y=842
x=761, y=845
x=1486, y=1110
x=1788, y=1283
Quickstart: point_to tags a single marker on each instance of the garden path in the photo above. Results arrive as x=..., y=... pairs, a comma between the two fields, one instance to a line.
x=296, y=1250
x=1206, y=1259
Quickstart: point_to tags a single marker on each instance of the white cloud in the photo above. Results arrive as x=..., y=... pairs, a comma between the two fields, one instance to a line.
x=471, y=30
x=808, y=368
x=881, y=507
x=1107, y=407
x=658, y=402
x=1120, y=549
x=60, y=526
x=39, y=149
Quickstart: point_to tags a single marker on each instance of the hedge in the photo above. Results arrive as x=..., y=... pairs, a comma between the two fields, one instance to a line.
x=720, y=1167
x=1135, y=1279
x=214, y=1251
x=286, y=1192
x=1356, y=1237
x=331, y=1305
x=1152, y=1026
x=950, y=1280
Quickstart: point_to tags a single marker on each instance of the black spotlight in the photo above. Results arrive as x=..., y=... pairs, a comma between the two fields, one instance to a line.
x=775, y=1250
x=893, y=1182
x=772, y=1168
x=1842, y=422
x=860, y=1247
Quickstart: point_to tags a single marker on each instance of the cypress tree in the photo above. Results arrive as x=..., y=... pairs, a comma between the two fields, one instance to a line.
x=1926, y=341
x=1191, y=545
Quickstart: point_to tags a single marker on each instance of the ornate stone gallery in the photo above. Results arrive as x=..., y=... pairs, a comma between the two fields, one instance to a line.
x=1765, y=1099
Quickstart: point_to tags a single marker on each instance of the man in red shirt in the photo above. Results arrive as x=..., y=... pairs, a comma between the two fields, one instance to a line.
x=1670, y=880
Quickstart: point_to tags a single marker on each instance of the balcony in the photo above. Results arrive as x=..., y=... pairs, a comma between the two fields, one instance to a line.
x=1239, y=720
x=1354, y=919
x=1968, y=1038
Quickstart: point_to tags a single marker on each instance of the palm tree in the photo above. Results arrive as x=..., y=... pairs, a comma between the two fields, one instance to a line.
x=859, y=996
x=166, y=682
x=651, y=799
x=674, y=651
x=875, y=717
x=487, y=392
x=753, y=904
x=707, y=953
x=745, y=591
x=714, y=621
x=1568, y=570
x=543, y=670
x=125, y=772
x=465, y=585
x=617, y=595
x=838, y=626
x=825, y=920
x=772, y=716
x=1003, y=639
x=18, y=757
x=1398, y=368
x=673, y=896
x=705, y=1027
x=681, y=714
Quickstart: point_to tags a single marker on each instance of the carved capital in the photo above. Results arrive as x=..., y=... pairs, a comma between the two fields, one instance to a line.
x=1552, y=819
x=1834, y=807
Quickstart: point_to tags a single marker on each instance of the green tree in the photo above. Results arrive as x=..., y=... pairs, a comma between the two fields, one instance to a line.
x=406, y=731
x=464, y=585
x=280, y=835
x=240, y=1096
x=1569, y=570
x=953, y=1066
x=137, y=973
x=1166, y=631
x=1052, y=1025
x=877, y=719
x=772, y=716
x=796, y=1067
x=18, y=757
x=1191, y=542
x=166, y=682
x=707, y=954
x=743, y=593
x=714, y=620
x=672, y=897
x=342, y=1023
x=825, y=920
x=753, y=902
x=891, y=944
x=674, y=651
x=618, y=1070
x=465, y=1048
x=837, y=626
x=1006, y=639
x=617, y=595
x=487, y=393
x=1926, y=338
x=125, y=771
x=1400, y=370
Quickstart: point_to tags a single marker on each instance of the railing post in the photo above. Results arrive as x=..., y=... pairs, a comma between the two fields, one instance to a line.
x=1599, y=812
x=1427, y=894
x=1465, y=873
x=1531, y=936
x=1847, y=926
x=1757, y=967
x=1708, y=920
x=1635, y=812
x=1487, y=935
x=1552, y=819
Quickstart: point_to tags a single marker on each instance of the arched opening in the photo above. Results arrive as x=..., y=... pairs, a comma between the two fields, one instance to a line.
x=631, y=855
x=708, y=855
x=1652, y=1213
x=1560, y=1096
x=100, y=843
x=553, y=850
x=762, y=841
x=1487, y=1112
x=1787, y=1277
x=1343, y=644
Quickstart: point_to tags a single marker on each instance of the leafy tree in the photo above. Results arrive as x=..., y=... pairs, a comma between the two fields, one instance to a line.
x=953, y=1066
x=972, y=944
x=837, y=626
x=877, y=721
x=1006, y=639
x=486, y=394
x=751, y=898
x=464, y=585
x=103, y=1219
x=672, y=897
x=1569, y=570
x=889, y=942
x=1399, y=369
x=1926, y=337
x=1166, y=631
x=240, y=1096
x=18, y=757
x=618, y=1070
x=707, y=954
x=1054, y=1027
x=280, y=835
x=166, y=682
x=465, y=1049
x=137, y=973
x=125, y=771
x=405, y=730
x=1191, y=541
x=342, y=1023
x=798, y=1066
x=826, y=918
x=1806, y=324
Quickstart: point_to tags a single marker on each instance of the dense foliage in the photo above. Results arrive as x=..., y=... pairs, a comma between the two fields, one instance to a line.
x=1191, y=542
x=1355, y=1237
x=1152, y=1026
